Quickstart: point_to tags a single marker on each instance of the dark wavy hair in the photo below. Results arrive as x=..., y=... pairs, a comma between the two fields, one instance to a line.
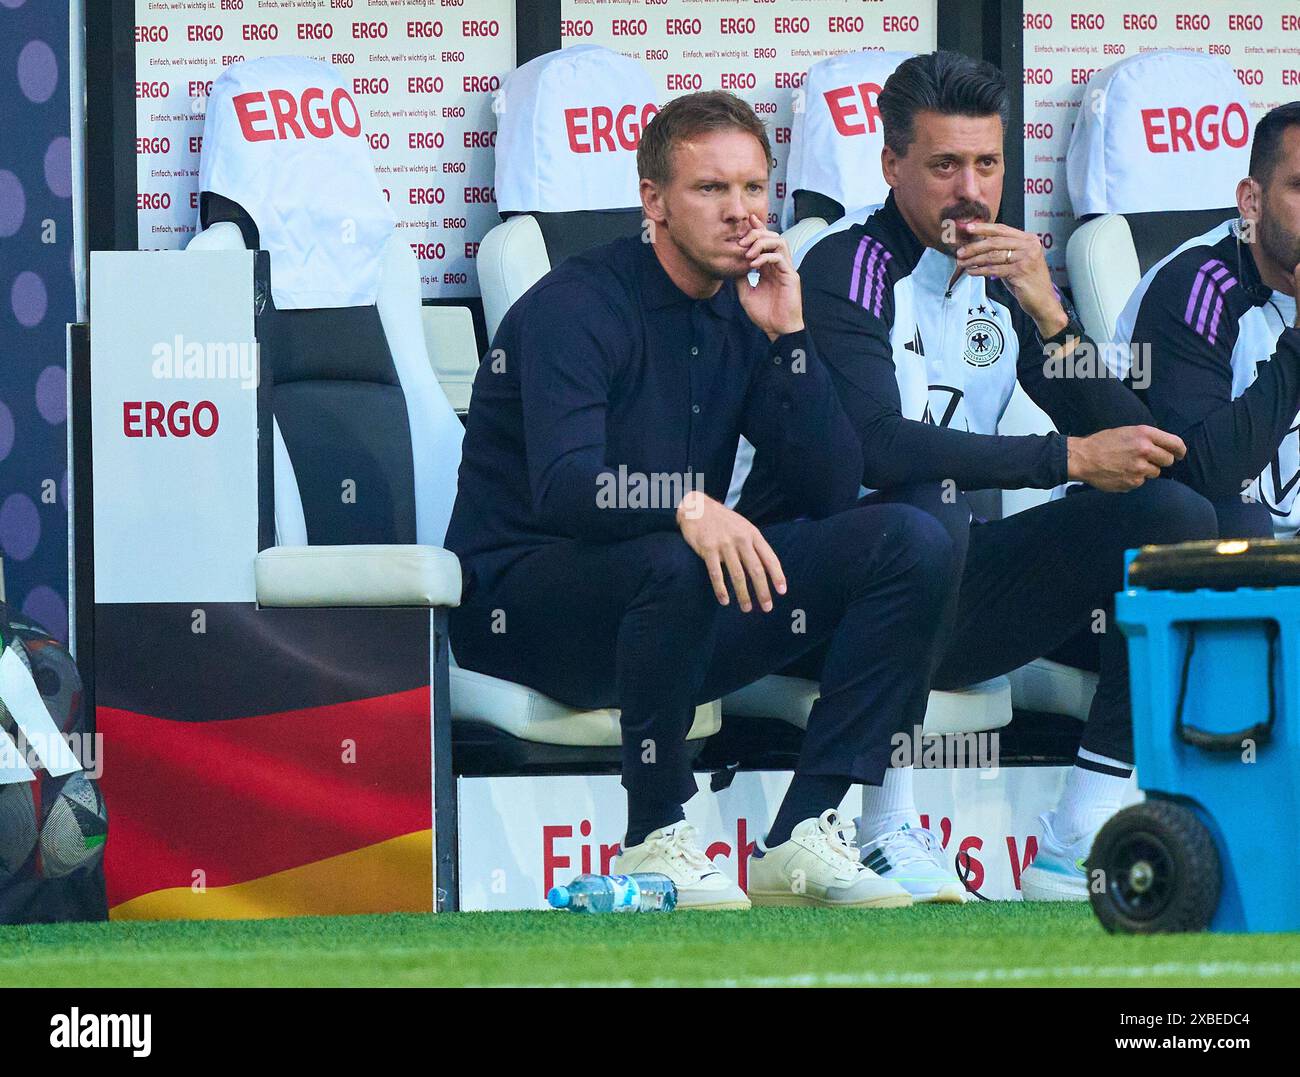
x=944, y=82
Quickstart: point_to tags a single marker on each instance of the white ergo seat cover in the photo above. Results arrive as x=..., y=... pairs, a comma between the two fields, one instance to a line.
x=836, y=134
x=1165, y=130
x=275, y=129
x=568, y=124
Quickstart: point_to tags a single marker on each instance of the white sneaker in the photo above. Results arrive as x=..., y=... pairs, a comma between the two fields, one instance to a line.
x=819, y=866
x=1059, y=871
x=913, y=857
x=673, y=851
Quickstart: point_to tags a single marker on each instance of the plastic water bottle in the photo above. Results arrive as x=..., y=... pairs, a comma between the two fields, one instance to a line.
x=648, y=892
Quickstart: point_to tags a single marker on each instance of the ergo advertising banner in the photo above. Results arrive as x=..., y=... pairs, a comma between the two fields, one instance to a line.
x=1067, y=41
x=758, y=49
x=422, y=77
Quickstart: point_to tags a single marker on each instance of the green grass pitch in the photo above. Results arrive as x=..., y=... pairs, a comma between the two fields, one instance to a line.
x=983, y=945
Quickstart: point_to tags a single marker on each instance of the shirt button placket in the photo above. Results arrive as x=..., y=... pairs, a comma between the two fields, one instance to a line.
x=695, y=408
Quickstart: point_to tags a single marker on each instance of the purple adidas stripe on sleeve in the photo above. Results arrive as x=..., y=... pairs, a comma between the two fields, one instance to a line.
x=1205, y=301
x=869, y=281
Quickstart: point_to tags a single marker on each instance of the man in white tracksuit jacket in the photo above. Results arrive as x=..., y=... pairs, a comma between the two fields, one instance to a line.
x=927, y=314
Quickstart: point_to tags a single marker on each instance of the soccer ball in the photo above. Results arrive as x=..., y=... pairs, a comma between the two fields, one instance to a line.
x=75, y=826
x=17, y=828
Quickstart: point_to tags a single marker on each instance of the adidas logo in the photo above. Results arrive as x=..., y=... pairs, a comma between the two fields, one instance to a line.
x=877, y=862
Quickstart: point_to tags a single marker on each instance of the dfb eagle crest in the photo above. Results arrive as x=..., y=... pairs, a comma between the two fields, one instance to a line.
x=984, y=339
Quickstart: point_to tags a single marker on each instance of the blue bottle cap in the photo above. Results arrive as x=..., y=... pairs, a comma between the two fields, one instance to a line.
x=559, y=897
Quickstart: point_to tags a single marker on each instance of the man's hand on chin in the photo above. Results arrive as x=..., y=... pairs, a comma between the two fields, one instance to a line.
x=1017, y=259
x=775, y=304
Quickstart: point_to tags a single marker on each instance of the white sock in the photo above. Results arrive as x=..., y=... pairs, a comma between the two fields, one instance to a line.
x=889, y=806
x=1093, y=792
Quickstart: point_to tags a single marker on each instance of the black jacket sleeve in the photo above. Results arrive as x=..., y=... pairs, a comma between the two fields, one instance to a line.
x=1229, y=442
x=792, y=412
x=564, y=388
x=854, y=343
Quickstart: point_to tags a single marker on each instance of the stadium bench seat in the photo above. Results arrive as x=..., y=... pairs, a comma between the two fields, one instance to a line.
x=789, y=699
x=324, y=607
x=1137, y=205
x=835, y=142
x=299, y=571
x=372, y=410
x=453, y=351
x=558, y=198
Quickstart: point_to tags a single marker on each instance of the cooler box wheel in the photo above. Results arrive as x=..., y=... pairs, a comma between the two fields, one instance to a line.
x=1161, y=870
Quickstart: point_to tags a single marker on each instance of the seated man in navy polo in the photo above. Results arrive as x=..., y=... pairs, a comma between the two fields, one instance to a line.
x=601, y=566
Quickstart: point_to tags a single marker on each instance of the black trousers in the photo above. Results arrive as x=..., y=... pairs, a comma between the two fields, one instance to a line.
x=635, y=625
x=1042, y=583
x=1243, y=519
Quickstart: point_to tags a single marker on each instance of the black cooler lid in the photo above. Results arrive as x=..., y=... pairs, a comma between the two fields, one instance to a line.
x=1220, y=565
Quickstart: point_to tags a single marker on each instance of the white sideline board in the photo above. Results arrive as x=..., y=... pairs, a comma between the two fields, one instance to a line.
x=520, y=835
x=175, y=508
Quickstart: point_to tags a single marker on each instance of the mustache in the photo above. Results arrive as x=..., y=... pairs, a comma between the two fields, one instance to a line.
x=967, y=209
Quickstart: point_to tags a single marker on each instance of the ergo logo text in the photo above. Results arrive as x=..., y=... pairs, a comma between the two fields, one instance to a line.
x=844, y=110
x=591, y=130
x=320, y=121
x=176, y=420
x=1169, y=130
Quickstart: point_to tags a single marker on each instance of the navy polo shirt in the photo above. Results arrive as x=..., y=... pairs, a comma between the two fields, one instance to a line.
x=608, y=392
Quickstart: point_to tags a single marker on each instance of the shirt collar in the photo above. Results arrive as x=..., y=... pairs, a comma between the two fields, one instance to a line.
x=1252, y=284
x=909, y=248
x=659, y=291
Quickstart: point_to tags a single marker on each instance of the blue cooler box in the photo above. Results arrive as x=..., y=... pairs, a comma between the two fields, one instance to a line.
x=1213, y=632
